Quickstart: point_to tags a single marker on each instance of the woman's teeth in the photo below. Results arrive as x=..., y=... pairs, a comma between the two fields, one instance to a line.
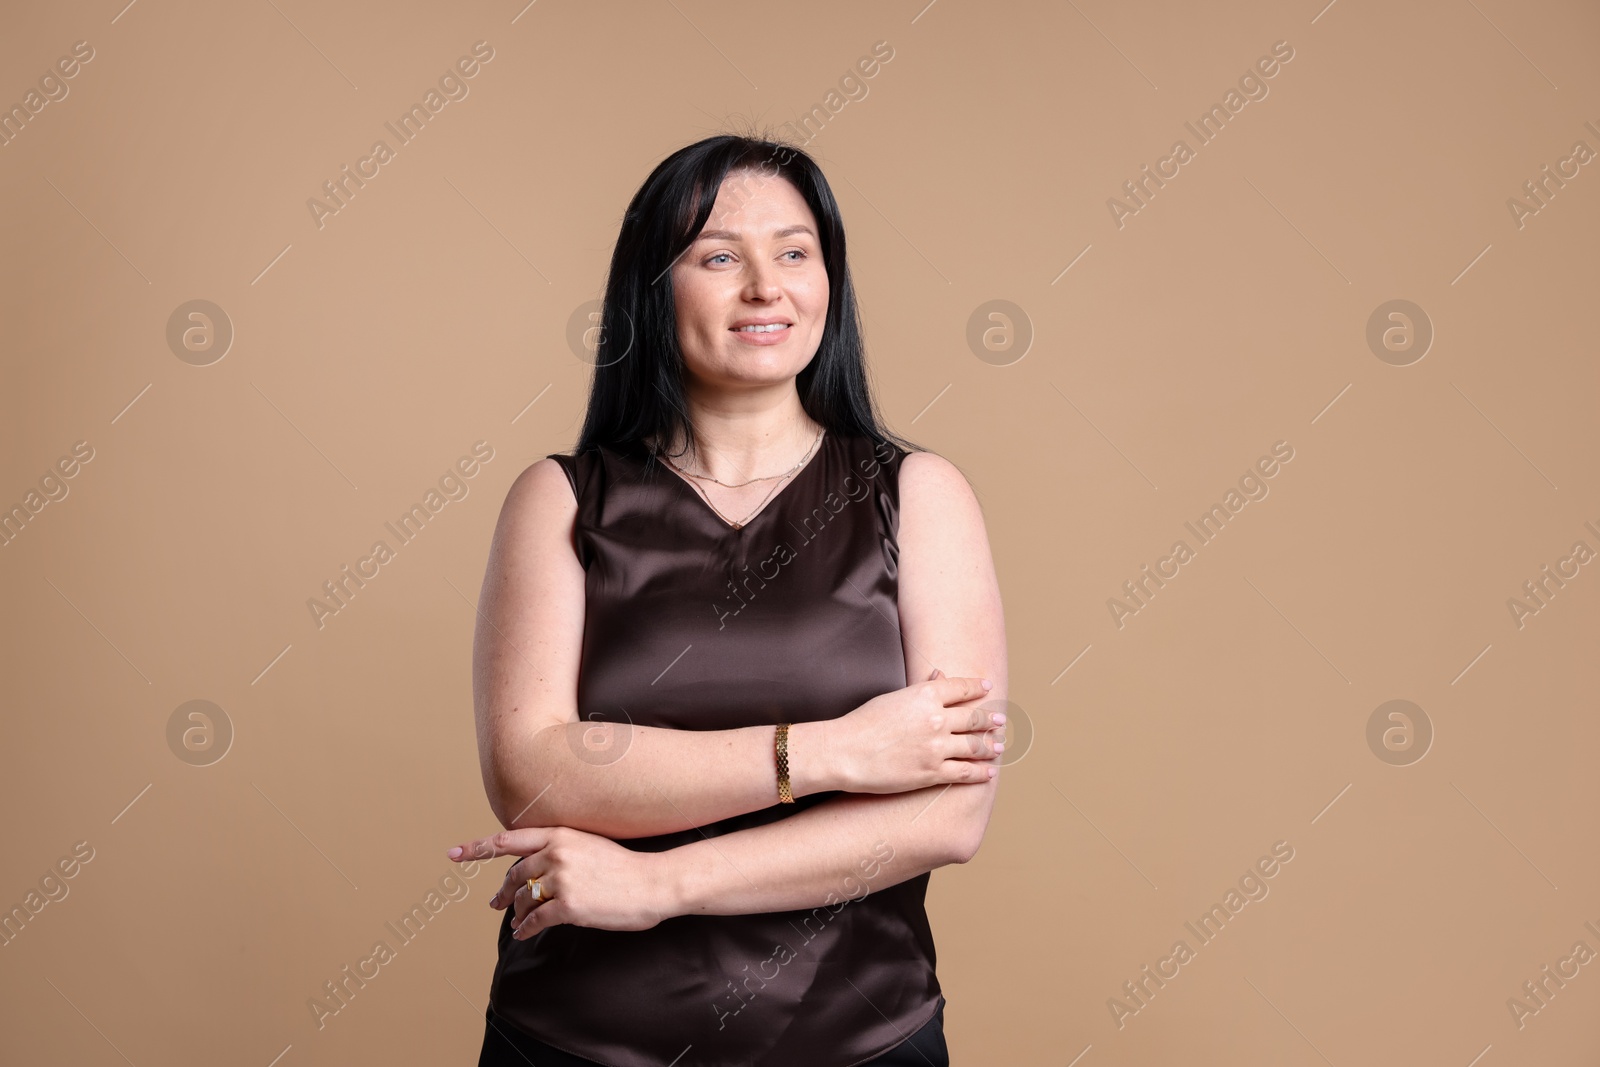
x=763, y=329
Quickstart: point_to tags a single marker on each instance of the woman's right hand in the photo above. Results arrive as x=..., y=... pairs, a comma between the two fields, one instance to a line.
x=929, y=733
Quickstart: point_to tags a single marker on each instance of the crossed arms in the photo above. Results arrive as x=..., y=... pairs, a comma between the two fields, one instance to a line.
x=525, y=663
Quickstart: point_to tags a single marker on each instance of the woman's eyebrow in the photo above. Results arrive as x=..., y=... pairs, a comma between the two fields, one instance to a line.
x=729, y=235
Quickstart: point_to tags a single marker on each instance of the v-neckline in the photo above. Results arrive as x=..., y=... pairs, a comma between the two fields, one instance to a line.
x=772, y=502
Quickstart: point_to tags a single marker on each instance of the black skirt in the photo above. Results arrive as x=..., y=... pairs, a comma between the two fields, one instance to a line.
x=504, y=1045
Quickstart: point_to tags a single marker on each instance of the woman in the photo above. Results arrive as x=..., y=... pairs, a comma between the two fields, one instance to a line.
x=691, y=664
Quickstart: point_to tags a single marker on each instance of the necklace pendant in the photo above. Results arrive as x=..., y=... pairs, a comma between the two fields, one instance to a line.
x=738, y=526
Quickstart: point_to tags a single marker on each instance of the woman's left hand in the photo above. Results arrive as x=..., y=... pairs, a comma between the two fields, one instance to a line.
x=586, y=880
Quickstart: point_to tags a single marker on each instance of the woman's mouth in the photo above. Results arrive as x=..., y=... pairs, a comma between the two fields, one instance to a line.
x=766, y=333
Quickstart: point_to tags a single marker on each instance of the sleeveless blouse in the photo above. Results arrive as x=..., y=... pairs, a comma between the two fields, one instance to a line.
x=691, y=624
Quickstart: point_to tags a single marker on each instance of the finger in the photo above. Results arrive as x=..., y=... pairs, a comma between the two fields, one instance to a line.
x=543, y=917
x=475, y=851
x=523, y=841
x=960, y=690
x=976, y=746
x=968, y=771
x=525, y=893
x=517, y=876
x=981, y=719
x=508, y=886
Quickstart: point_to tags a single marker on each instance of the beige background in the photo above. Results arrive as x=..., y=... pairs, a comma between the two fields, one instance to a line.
x=1167, y=755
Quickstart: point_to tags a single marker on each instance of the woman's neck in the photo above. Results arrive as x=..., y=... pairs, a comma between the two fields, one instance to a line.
x=736, y=447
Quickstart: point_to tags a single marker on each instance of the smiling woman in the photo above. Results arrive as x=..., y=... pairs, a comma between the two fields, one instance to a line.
x=694, y=804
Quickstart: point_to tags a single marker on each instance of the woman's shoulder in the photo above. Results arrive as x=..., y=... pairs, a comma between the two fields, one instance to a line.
x=581, y=465
x=553, y=481
x=914, y=479
x=866, y=450
x=928, y=480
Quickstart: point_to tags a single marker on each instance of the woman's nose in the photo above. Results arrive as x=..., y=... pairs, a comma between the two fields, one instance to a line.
x=761, y=281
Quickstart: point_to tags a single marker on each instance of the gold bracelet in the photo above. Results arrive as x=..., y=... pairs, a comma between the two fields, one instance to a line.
x=781, y=744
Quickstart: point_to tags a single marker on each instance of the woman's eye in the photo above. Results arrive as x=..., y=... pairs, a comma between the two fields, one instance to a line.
x=726, y=256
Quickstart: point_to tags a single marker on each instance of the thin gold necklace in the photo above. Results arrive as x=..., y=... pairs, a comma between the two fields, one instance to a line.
x=740, y=524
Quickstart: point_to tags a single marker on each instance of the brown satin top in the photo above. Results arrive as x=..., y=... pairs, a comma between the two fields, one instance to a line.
x=693, y=625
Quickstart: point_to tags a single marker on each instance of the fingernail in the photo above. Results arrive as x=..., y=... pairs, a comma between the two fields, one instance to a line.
x=999, y=717
x=988, y=684
x=453, y=853
x=1000, y=746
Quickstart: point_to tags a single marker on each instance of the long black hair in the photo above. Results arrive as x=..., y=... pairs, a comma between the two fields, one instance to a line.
x=637, y=392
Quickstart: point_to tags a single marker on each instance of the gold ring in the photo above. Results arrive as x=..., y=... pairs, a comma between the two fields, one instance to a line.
x=536, y=889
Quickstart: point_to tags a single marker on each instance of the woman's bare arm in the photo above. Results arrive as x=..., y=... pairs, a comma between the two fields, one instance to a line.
x=543, y=766
x=841, y=848
x=950, y=617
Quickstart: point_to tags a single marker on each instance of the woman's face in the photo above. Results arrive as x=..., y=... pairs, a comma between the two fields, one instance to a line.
x=758, y=260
